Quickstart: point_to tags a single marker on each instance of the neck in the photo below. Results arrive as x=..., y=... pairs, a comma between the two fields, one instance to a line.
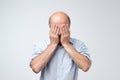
x=59, y=44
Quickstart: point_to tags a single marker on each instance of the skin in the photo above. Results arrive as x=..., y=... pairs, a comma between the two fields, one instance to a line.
x=59, y=33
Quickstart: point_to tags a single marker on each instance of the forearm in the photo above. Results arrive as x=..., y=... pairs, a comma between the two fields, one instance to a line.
x=39, y=62
x=81, y=60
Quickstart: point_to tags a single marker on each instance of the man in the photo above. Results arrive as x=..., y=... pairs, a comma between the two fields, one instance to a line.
x=60, y=56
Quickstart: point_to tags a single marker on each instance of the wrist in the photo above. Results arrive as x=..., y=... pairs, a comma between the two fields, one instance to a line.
x=53, y=44
x=66, y=44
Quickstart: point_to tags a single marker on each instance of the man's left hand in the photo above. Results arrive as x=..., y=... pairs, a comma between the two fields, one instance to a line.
x=65, y=34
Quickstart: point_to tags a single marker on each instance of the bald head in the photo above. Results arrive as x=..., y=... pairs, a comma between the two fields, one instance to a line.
x=59, y=18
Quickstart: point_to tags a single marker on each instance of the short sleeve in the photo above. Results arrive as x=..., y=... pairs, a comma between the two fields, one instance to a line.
x=82, y=49
x=38, y=48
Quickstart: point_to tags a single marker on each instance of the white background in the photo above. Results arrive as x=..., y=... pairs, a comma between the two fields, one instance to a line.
x=25, y=22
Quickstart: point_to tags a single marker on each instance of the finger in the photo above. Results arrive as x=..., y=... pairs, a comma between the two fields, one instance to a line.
x=61, y=31
x=55, y=29
x=51, y=29
x=64, y=30
x=67, y=29
x=67, y=25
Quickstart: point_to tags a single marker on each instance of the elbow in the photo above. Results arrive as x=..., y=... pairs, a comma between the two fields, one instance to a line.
x=86, y=67
x=35, y=69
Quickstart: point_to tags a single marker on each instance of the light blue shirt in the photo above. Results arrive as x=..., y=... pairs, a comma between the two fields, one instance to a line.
x=61, y=66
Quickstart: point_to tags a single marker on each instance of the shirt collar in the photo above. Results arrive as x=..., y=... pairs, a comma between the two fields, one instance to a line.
x=70, y=41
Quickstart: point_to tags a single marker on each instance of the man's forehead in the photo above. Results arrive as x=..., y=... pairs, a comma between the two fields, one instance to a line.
x=59, y=14
x=59, y=18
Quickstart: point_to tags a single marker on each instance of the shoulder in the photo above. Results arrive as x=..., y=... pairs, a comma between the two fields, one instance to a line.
x=42, y=43
x=76, y=41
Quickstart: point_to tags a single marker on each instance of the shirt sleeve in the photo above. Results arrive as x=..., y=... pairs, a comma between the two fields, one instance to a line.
x=82, y=49
x=37, y=49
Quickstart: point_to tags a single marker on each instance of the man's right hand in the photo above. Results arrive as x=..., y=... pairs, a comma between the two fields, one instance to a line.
x=53, y=34
x=40, y=61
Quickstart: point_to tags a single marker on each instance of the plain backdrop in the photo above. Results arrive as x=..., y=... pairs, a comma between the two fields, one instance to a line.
x=25, y=22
